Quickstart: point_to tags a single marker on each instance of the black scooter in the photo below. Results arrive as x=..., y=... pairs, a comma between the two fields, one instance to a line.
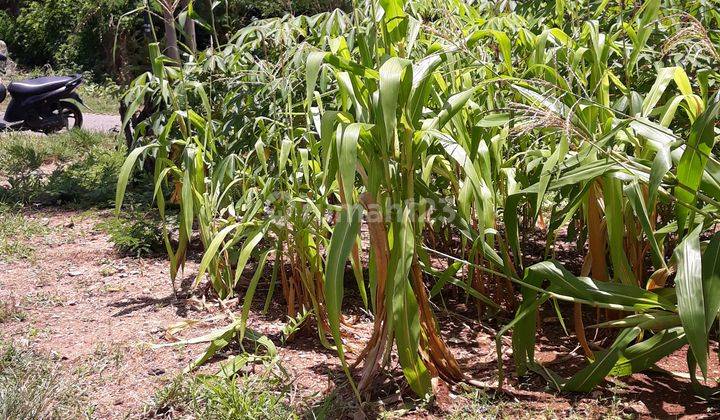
x=41, y=104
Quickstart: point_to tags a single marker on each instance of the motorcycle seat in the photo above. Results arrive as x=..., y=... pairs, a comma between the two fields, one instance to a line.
x=39, y=85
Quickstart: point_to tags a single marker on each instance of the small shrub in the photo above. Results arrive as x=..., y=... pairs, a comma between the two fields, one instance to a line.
x=90, y=181
x=134, y=233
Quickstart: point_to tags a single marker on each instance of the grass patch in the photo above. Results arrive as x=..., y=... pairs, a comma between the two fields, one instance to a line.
x=15, y=231
x=479, y=405
x=100, y=98
x=33, y=387
x=214, y=397
x=76, y=168
x=25, y=152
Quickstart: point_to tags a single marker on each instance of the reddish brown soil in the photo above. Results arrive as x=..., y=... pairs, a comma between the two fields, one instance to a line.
x=99, y=313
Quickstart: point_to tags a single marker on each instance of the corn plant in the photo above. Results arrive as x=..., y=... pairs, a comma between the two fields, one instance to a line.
x=431, y=139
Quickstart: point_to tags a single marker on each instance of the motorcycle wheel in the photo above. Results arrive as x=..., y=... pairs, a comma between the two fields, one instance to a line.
x=70, y=115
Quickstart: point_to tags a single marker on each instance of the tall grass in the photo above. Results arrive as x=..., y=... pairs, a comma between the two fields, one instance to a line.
x=450, y=131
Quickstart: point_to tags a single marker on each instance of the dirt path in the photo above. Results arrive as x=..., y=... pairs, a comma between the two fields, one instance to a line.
x=96, y=312
x=99, y=314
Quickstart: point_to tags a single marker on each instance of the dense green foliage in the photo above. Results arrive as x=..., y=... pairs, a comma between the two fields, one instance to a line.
x=433, y=142
x=104, y=37
x=75, y=35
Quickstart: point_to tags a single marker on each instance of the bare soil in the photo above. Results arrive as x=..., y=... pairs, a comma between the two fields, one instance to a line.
x=100, y=313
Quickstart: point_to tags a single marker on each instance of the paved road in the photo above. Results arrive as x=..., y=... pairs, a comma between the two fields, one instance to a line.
x=98, y=123
x=101, y=123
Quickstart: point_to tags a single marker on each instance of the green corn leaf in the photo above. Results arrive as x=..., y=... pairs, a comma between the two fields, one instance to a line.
x=663, y=79
x=217, y=343
x=565, y=284
x=660, y=167
x=452, y=106
x=347, y=139
x=247, y=251
x=187, y=203
x=711, y=280
x=547, y=170
x=693, y=161
x=612, y=192
x=690, y=295
x=341, y=243
x=647, y=321
x=524, y=324
x=312, y=71
x=502, y=40
x=394, y=19
x=284, y=153
x=212, y=250
x=392, y=73
x=644, y=355
x=125, y=172
x=250, y=293
x=405, y=313
x=422, y=86
x=595, y=372
x=635, y=196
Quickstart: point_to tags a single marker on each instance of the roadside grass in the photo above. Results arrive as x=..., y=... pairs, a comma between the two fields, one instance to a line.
x=100, y=98
x=16, y=229
x=24, y=152
x=77, y=169
x=33, y=386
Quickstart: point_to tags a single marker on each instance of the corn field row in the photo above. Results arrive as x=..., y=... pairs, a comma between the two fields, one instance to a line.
x=414, y=148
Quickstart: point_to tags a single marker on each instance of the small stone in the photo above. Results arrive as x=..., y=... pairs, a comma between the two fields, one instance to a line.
x=74, y=273
x=156, y=371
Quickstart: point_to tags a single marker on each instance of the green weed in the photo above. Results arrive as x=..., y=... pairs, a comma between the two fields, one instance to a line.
x=214, y=397
x=134, y=233
x=15, y=231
